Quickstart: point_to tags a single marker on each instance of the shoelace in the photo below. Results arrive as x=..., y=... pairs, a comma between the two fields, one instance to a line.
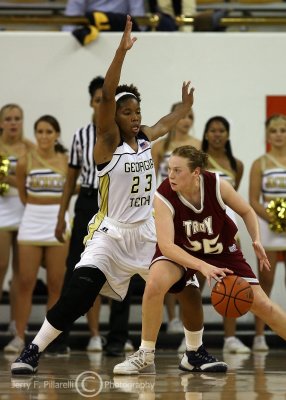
x=204, y=355
x=140, y=355
x=138, y=359
x=136, y=354
x=26, y=356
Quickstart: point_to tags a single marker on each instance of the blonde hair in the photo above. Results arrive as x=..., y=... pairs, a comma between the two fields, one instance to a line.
x=274, y=117
x=8, y=107
x=196, y=158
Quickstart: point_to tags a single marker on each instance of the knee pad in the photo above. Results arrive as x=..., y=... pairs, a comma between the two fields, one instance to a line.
x=77, y=298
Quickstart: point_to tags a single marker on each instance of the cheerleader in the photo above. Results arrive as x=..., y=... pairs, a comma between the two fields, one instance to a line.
x=41, y=175
x=13, y=145
x=268, y=182
x=216, y=143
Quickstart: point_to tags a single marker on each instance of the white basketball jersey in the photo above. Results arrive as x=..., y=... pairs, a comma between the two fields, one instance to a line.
x=127, y=183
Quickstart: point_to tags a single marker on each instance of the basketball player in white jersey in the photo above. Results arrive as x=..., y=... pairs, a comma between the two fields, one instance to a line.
x=121, y=236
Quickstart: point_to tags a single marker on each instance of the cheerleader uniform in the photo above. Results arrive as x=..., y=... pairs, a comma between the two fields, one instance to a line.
x=227, y=175
x=273, y=185
x=163, y=167
x=39, y=220
x=11, y=207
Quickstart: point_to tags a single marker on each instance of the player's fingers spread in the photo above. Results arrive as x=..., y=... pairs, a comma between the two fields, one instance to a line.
x=218, y=276
x=221, y=273
x=228, y=271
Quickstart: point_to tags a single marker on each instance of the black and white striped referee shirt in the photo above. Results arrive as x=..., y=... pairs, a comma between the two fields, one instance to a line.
x=81, y=155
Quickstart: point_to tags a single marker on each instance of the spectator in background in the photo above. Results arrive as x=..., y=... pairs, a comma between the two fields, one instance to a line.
x=216, y=143
x=268, y=182
x=176, y=7
x=40, y=178
x=12, y=146
x=168, y=10
x=82, y=7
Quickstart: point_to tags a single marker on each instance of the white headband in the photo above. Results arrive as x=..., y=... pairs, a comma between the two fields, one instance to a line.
x=119, y=95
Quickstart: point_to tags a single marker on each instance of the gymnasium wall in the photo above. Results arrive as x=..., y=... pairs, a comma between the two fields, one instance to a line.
x=232, y=74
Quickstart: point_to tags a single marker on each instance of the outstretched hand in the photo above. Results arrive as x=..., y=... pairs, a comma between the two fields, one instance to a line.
x=261, y=255
x=127, y=41
x=212, y=272
x=187, y=93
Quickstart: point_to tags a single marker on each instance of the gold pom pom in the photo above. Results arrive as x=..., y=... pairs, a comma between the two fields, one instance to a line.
x=277, y=211
x=4, y=171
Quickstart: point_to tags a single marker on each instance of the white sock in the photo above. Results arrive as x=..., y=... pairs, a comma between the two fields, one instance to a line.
x=46, y=335
x=194, y=339
x=228, y=338
x=147, y=345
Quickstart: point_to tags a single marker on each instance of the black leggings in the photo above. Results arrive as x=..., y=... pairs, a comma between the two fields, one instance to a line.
x=77, y=298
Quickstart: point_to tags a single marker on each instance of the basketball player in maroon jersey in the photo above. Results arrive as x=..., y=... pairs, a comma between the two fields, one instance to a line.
x=194, y=233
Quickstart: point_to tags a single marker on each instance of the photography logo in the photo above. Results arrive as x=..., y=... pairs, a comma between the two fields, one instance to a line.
x=88, y=384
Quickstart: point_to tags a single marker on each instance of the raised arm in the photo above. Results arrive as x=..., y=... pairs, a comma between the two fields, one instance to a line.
x=166, y=123
x=107, y=131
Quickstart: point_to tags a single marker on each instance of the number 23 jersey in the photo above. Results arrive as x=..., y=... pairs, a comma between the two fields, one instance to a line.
x=127, y=183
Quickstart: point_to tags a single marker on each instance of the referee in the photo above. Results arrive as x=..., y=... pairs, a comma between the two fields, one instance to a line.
x=81, y=165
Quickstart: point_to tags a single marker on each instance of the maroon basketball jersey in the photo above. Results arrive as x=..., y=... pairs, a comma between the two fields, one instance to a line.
x=205, y=230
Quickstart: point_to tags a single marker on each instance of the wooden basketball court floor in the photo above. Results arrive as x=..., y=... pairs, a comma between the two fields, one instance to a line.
x=89, y=376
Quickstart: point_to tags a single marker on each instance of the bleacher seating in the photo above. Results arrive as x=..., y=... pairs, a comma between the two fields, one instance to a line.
x=52, y=13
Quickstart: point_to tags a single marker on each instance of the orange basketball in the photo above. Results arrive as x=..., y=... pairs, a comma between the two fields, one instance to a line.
x=232, y=297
